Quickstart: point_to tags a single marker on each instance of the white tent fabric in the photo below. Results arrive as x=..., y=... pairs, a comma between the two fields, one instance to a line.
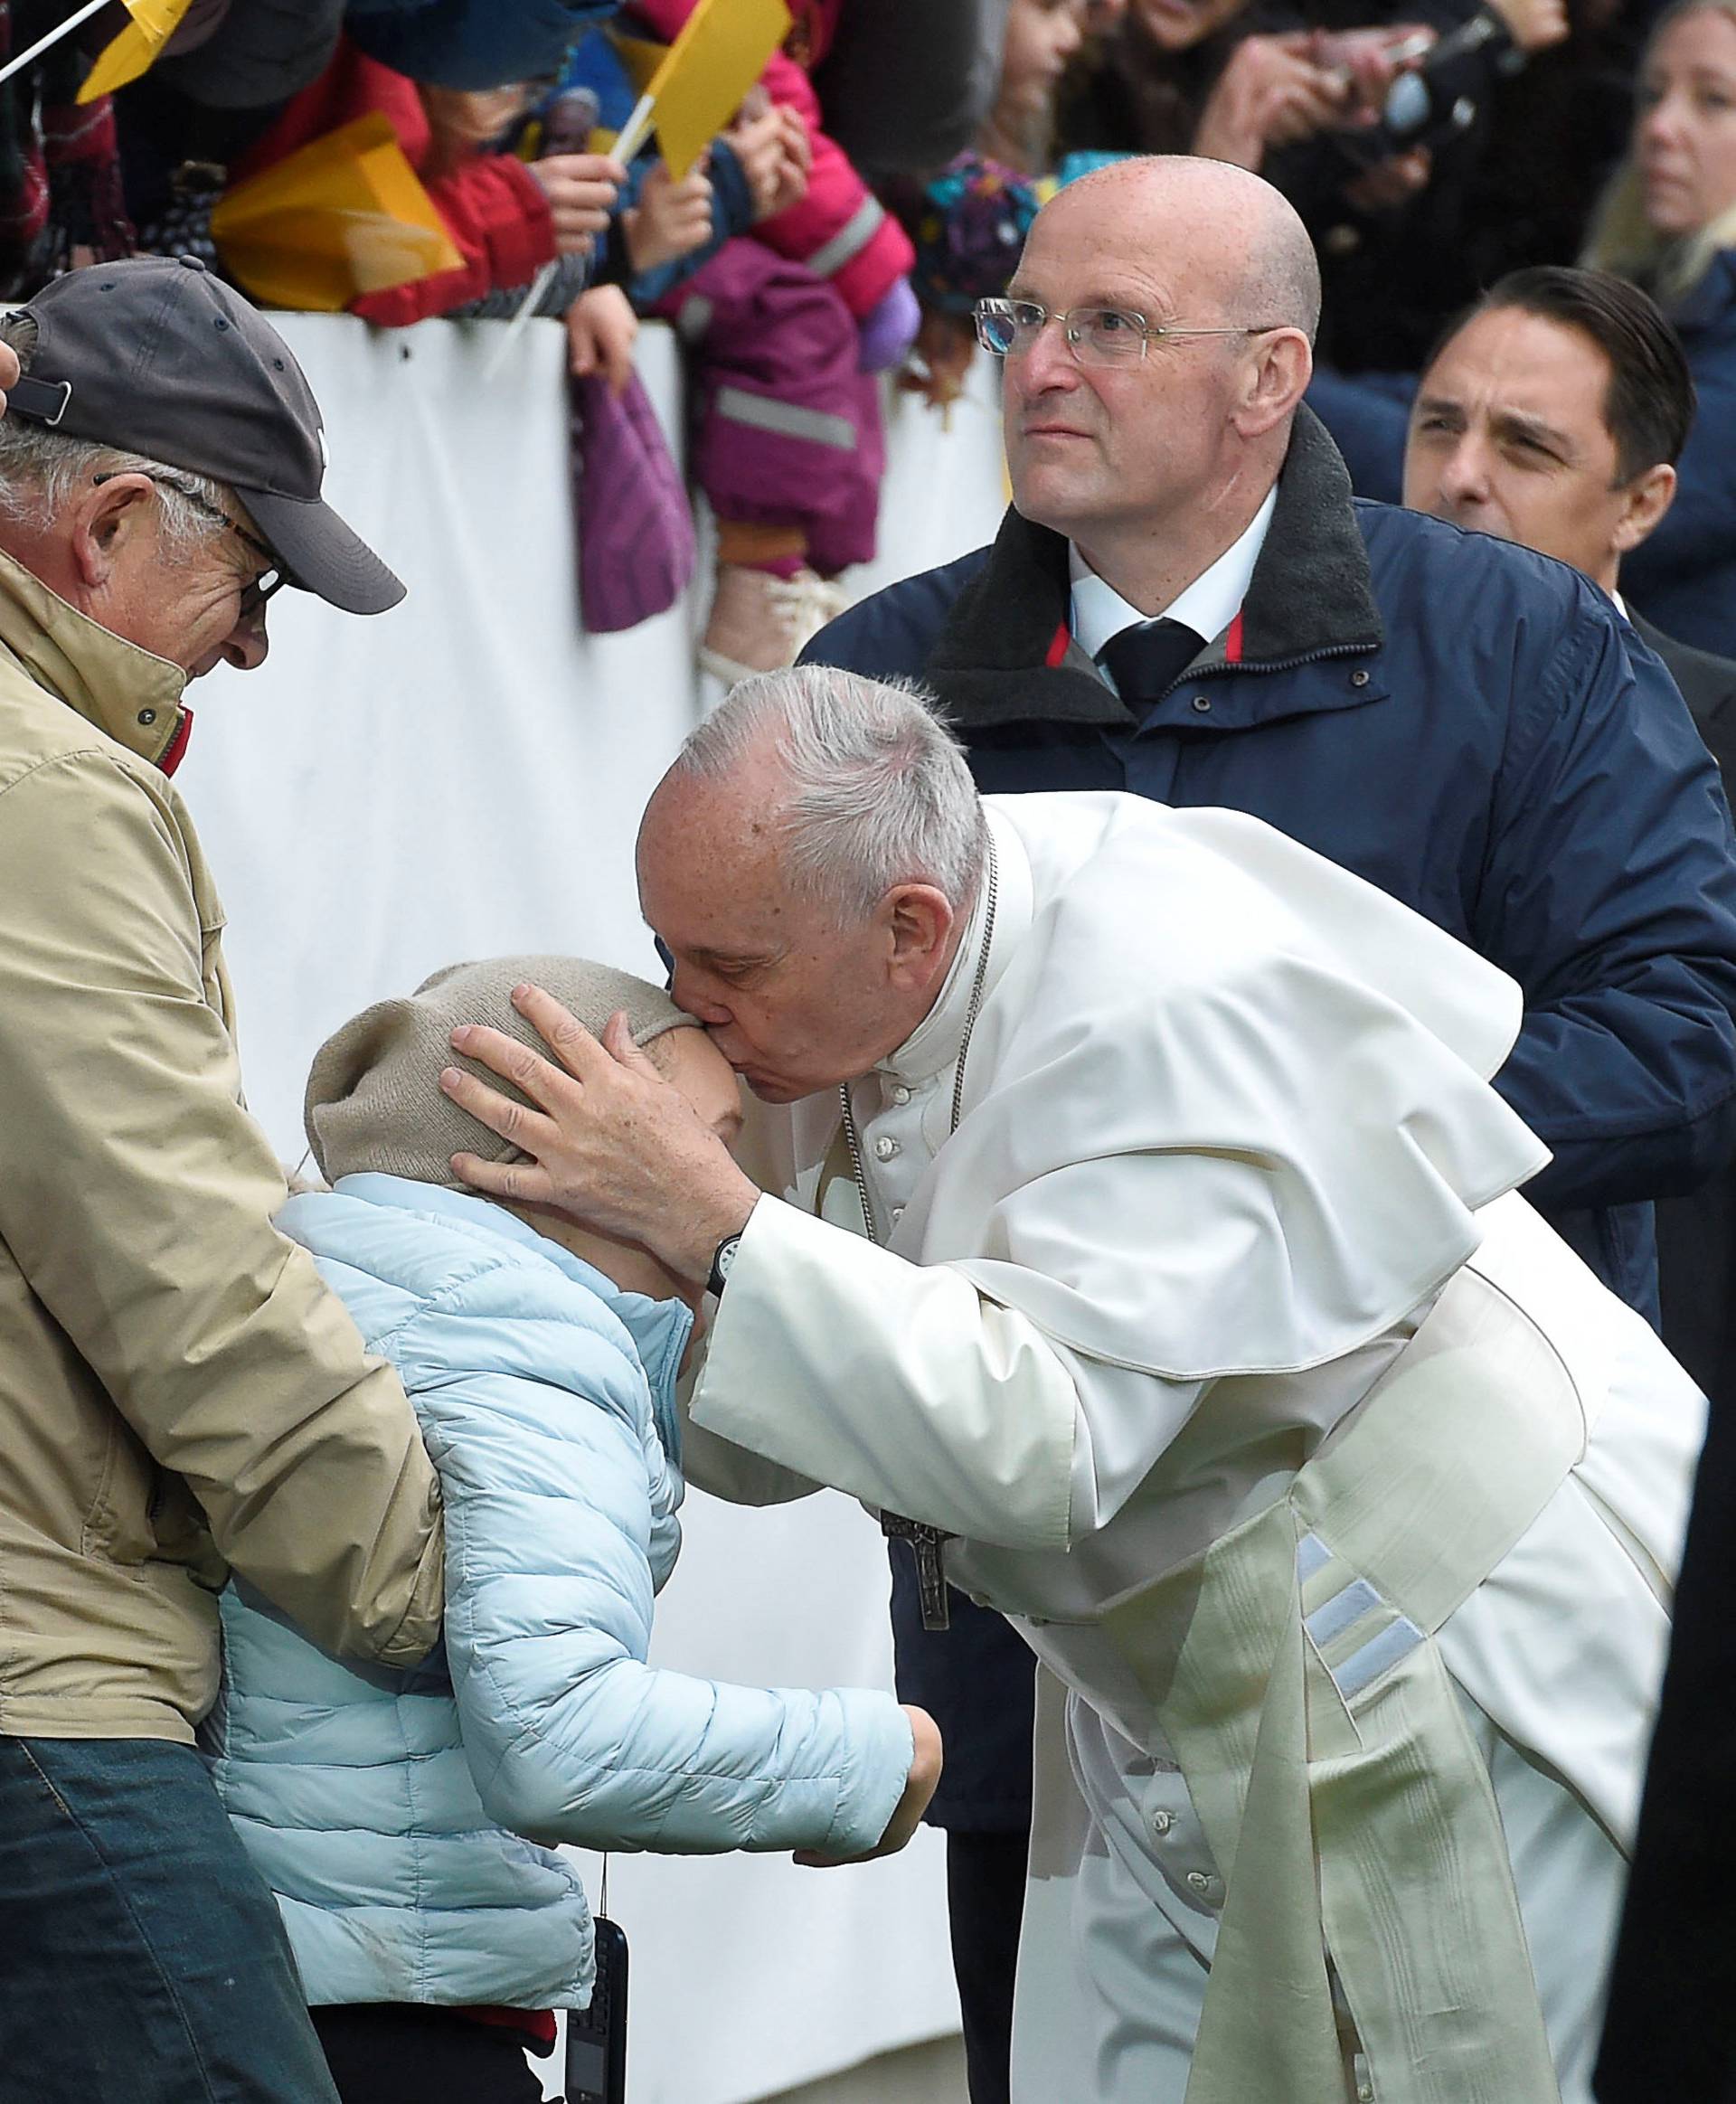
x=462, y=778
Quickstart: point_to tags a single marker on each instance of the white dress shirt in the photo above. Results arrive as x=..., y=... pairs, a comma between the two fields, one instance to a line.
x=1207, y=606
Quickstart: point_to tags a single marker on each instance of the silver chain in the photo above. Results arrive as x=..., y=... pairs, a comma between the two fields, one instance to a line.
x=852, y=1137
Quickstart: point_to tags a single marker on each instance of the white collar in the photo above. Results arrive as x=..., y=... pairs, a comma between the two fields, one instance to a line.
x=1207, y=606
x=934, y=1044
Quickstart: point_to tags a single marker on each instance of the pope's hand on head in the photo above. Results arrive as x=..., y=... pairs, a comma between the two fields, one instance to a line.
x=8, y=372
x=612, y=1145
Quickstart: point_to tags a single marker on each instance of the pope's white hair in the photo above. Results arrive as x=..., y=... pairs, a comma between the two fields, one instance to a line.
x=876, y=791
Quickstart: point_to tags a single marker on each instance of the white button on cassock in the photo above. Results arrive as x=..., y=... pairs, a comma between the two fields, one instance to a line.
x=885, y=1148
x=901, y=1094
x=1160, y=1823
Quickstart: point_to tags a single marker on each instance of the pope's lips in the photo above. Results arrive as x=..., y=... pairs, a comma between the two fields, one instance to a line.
x=1051, y=431
x=750, y=1071
x=739, y=1062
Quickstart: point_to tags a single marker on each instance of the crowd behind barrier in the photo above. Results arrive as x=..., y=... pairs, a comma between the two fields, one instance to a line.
x=630, y=434
x=1430, y=148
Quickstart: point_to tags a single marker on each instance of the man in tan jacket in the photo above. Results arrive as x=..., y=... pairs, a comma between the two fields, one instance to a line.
x=180, y=1395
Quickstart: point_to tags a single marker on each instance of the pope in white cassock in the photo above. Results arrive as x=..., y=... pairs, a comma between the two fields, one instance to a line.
x=1138, y=1213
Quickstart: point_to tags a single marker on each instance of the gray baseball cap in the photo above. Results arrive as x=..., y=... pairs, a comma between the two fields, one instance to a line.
x=155, y=355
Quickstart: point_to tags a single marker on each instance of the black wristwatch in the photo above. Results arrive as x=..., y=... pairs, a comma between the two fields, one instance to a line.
x=722, y=1257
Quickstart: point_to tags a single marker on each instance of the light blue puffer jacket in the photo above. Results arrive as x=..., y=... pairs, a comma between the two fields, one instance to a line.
x=375, y=1803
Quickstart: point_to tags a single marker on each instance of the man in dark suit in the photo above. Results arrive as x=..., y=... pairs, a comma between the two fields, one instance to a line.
x=1708, y=685
x=1553, y=415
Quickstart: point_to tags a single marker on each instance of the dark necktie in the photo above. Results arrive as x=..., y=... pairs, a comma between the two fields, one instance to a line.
x=1145, y=659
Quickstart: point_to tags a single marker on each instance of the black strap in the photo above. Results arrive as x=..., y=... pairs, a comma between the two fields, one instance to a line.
x=42, y=401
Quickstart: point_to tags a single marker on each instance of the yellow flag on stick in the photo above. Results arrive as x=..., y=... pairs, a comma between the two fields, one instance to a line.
x=135, y=50
x=699, y=84
x=343, y=216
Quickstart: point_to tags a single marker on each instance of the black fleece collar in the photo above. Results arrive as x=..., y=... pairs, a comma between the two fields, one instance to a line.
x=1310, y=593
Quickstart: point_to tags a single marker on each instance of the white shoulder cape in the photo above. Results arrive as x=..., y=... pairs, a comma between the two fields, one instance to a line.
x=1226, y=1107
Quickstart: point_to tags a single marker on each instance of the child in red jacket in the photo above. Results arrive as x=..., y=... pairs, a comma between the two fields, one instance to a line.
x=507, y=217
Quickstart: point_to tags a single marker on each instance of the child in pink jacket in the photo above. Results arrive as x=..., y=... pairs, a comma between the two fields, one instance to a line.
x=789, y=325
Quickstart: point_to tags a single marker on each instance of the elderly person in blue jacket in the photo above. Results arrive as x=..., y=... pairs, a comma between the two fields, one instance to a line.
x=1185, y=602
x=383, y=1807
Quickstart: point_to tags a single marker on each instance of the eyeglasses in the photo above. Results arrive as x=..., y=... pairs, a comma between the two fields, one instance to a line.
x=1096, y=336
x=272, y=577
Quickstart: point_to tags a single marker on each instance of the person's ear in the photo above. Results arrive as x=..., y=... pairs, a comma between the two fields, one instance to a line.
x=108, y=521
x=1276, y=376
x=919, y=919
x=1646, y=499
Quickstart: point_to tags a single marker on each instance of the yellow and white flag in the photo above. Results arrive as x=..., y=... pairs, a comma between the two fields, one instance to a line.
x=135, y=50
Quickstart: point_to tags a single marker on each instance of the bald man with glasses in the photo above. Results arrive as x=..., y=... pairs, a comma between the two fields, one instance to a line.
x=1185, y=601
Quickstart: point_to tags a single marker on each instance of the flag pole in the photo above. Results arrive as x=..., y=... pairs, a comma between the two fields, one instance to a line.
x=635, y=130
x=633, y=136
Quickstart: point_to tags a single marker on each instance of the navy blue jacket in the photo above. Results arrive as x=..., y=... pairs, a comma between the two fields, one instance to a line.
x=1465, y=723
x=1684, y=574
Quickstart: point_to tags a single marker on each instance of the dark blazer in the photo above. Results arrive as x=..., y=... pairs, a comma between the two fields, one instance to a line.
x=1707, y=684
x=1670, y=2031
x=1467, y=725
x=1696, y=1234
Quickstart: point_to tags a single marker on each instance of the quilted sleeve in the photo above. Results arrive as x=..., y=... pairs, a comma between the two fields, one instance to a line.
x=570, y=1734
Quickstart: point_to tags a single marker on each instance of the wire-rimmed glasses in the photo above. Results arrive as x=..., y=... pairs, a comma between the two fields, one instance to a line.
x=1096, y=336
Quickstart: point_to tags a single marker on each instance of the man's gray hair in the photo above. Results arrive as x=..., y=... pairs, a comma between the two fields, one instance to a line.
x=878, y=793
x=41, y=468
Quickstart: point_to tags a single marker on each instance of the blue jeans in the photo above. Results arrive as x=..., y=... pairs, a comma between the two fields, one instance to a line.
x=142, y=1958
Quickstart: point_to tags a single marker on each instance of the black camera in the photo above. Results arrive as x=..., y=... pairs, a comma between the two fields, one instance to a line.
x=1436, y=101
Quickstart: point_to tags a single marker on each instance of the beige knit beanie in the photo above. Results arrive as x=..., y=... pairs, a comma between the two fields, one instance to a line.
x=374, y=1099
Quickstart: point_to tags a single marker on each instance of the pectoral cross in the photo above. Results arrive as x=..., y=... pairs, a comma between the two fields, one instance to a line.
x=930, y=1571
